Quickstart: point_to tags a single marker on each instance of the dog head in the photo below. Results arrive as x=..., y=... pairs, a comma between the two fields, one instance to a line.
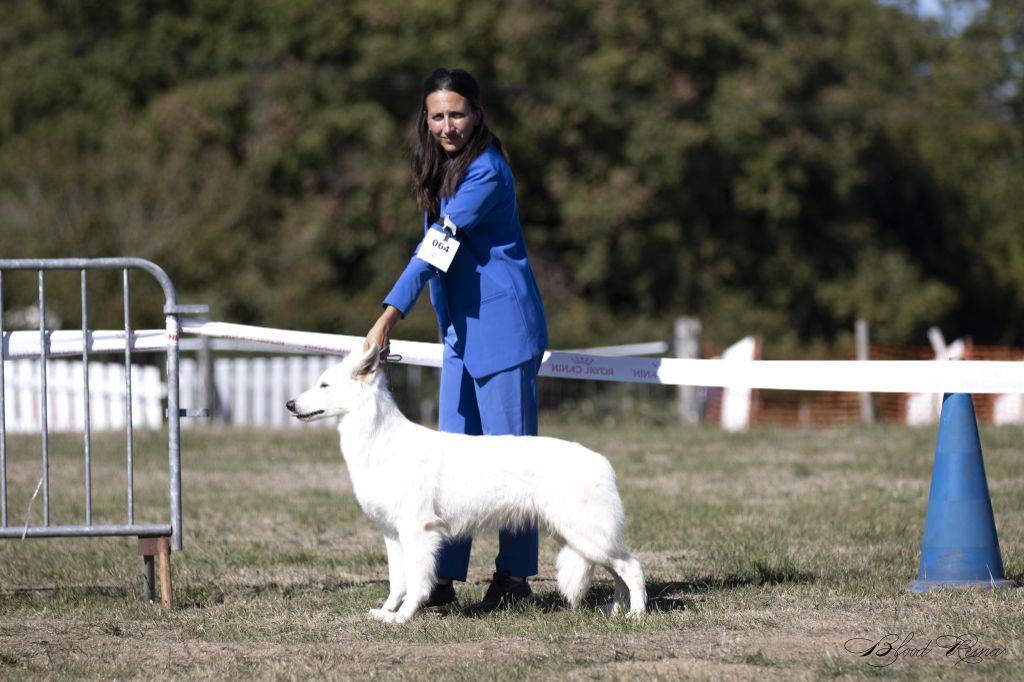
x=341, y=389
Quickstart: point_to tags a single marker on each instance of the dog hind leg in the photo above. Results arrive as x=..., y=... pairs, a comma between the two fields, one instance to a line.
x=595, y=545
x=632, y=575
x=621, y=598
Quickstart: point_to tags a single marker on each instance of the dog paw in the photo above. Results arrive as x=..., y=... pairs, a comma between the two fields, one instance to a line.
x=388, y=616
x=381, y=614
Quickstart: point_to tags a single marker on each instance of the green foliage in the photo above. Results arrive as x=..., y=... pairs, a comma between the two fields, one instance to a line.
x=777, y=168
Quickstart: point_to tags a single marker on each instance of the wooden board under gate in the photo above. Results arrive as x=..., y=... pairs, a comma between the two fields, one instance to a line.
x=159, y=547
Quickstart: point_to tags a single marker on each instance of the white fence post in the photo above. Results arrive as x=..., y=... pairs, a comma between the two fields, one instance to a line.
x=738, y=403
x=925, y=408
x=687, y=345
x=58, y=386
x=187, y=382
x=222, y=379
x=152, y=395
x=862, y=332
x=278, y=391
x=295, y=383
x=28, y=397
x=241, y=410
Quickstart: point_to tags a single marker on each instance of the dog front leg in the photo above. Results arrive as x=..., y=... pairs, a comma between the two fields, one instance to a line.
x=396, y=580
x=419, y=548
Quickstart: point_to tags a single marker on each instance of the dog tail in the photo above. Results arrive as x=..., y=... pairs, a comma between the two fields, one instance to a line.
x=574, y=575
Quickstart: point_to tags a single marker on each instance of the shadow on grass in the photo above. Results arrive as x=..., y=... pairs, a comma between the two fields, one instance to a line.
x=202, y=596
x=673, y=595
x=69, y=593
x=662, y=595
x=189, y=596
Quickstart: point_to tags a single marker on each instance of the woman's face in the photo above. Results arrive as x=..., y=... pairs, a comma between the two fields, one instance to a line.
x=450, y=120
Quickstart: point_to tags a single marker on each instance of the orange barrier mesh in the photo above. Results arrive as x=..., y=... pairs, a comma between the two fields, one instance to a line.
x=814, y=408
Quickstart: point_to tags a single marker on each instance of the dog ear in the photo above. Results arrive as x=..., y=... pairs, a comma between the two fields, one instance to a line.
x=368, y=363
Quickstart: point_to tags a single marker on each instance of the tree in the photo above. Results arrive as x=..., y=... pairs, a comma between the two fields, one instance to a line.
x=778, y=167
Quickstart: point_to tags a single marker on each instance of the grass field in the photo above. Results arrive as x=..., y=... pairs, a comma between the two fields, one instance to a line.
x=767, y=554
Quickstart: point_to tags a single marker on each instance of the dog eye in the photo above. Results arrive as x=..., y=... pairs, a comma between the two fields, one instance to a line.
x=323, y=384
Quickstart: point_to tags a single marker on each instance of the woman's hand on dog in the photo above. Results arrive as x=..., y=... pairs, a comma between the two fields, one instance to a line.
x=380, y=333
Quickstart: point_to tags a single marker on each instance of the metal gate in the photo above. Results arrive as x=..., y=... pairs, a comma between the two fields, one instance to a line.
x=154, y=539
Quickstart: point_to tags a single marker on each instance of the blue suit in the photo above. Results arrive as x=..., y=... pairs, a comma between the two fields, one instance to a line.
x=492, y=321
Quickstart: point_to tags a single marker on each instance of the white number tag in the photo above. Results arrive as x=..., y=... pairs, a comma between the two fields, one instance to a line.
x=438, y=248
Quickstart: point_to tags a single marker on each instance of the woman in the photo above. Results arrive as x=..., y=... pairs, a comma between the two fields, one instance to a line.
x=488, y=306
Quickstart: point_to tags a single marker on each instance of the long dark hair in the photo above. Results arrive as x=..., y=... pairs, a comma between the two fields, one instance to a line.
x=435, y=175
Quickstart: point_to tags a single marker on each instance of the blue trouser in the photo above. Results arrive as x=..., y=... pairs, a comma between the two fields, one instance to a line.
x=499, y=404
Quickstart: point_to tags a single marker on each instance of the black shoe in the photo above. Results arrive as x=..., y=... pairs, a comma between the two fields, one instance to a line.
x=503, y=592
x=441, y=597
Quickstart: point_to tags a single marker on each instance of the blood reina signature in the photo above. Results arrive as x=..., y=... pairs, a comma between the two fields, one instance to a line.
x=890, y=648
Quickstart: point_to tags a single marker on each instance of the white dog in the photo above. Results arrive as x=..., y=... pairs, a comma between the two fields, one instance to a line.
x=421, y=486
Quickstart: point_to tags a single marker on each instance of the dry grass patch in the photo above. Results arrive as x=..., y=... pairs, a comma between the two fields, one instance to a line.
x=765, y=554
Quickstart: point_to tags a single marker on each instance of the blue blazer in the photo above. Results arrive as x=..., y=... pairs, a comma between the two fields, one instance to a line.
x=488, y=304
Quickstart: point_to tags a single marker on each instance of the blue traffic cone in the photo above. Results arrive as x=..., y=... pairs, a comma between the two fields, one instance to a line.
x=960, y=547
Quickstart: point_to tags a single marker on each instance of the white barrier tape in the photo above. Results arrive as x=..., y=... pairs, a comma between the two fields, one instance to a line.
x=64, y=343
x=872, y=376
x=311, y=341
x=869, y=376
x=411, y=352
x=650, y=348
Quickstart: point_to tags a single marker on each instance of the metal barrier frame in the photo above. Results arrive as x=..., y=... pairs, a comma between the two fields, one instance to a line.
x=171, y=531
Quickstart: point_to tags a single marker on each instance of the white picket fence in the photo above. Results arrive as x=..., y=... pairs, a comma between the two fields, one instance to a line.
x=66, y=392
x=251, y=392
